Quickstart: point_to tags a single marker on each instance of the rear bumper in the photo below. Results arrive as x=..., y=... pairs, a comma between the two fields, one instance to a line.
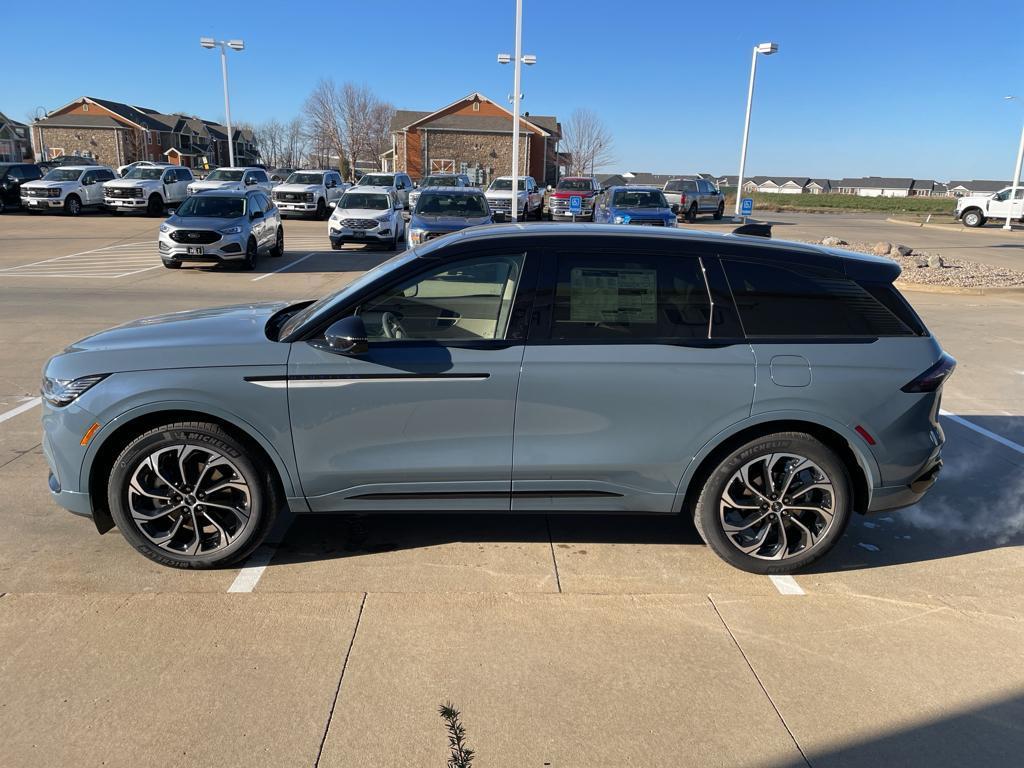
x=891, y=497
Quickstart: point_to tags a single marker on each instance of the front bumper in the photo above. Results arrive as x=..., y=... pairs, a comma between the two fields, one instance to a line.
x=292, y=207
x=42, y=203
x=227, y=248
x=121, y=203
x=63, y=429
x=382, y=233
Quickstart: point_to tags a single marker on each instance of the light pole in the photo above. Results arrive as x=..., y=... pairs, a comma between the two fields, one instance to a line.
x=235, y=45
x=1016, y=175
x=765, y=49
x=520, y=59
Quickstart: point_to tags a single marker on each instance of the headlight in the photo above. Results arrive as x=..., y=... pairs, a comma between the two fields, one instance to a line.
x=164, y=228
x=61, y=392
x=231, y=230
x=54, y=192
x=190, y=190
x=621, y=219
x=416, y=236
x=385, y=218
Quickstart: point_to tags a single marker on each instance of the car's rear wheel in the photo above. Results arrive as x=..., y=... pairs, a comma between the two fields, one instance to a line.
x=72, y=205
x=973, y=218
x=155, y=205
x=720, y=212
x=278, y=250
x=251, y=251
x=190, y=495
x=775, y=504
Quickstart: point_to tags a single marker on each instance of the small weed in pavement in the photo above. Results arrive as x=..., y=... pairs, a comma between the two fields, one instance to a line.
x=462, y=756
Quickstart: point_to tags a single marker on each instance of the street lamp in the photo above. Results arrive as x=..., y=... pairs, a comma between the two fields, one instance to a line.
x=529, y=60
x=765, y=49
x=1016, y=174
x=235, y=45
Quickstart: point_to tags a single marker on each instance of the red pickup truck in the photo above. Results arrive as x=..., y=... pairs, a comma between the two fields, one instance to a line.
x=586, y=187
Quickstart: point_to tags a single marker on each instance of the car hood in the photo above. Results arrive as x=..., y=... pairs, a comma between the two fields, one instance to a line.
x=973, y=199
x=642, y=213
x=39, y=184
x=357, y=213
x=204, y=222
x=565, y=194
x=216, y=185
x=132, y=183
x=297, y=188
x=198, y=338
x=446, y=223
x=502, y=194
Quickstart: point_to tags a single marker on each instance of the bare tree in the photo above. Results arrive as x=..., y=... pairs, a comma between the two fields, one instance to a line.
x=270, y=138
x=587, y=141
x=295, y=145
x=325, y=120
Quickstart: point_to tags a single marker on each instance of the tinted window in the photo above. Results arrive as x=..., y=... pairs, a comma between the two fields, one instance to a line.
x=575, y=185
x=105, y=175
x=440, y=204
x=260, y=176
x=801, y=301
x=639, y=198
x=630, y=298
x=366, y=201
x=14, y=173
x=212, y=206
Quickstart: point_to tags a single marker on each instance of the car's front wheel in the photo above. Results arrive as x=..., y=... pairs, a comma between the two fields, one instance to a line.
x=251, y=252
x=72, y=205
x=155, y=205
x=775, y=504
x=190, y=495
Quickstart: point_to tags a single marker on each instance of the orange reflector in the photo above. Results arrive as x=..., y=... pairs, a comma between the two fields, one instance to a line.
x=89, y=433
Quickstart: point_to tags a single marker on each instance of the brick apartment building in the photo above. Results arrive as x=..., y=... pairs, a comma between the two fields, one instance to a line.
x=15, y=144
x=473, y=136
x=113, y=133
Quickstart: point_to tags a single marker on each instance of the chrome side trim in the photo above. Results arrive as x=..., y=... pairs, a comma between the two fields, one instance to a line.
x=331, y=382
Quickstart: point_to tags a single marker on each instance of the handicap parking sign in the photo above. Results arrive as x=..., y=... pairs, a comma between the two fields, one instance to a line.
x=575, y=205
x=746, y=206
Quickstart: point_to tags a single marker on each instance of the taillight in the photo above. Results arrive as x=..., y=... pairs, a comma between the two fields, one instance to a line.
x=682, y=199
x=932, y=379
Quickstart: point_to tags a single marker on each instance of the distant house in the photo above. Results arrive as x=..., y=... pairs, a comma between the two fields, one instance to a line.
x=15, y=141
x=875, y=186
x=776, y=185
x=818, y=187
x=975, y=187
x=923, y=188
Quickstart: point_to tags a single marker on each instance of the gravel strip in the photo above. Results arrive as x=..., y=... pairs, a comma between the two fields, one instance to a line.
x=957, y=273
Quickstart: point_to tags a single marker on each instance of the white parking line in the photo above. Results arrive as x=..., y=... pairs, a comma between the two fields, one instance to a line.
x=251, y=573
x=982, y=431
x=109, y=262
x=286, y=266
x=27, y=406
x=787, y=585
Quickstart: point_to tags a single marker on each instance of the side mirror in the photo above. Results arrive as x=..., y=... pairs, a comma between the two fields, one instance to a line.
x=549, y=187
x=675, y=208
x=332, y=204
x=250, y=181
x=498, y=217
x=347, y=336
x=171, y=212
x=256, y=215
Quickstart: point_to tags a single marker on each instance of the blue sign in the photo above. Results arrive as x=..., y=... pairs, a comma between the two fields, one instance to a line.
x=575, y=205
x=746, y=206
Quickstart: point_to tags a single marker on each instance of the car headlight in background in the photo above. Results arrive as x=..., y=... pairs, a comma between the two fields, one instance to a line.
x=417, y=236
x=164, y=228
x=385, y=219
x=190, y=190
x=61, y=392
x=624, y=219
x=231, y=230
x=54, y=192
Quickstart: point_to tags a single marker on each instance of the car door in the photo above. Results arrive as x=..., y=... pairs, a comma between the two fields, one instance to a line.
x=621, y=384
x=704, y=193
x=92, y=189
x=422, y=420
x=257, y=219
x=183, y=177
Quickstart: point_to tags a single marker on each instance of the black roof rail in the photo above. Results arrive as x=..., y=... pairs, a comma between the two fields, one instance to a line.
x=754, y=230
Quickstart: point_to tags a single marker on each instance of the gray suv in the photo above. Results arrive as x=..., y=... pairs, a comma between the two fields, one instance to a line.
x=767, y=390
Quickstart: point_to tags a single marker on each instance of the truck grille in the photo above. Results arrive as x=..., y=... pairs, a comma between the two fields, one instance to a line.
x=123, y=191
x=294, y=197
x=35, y=192
x=359, y=223
x=194, y=236
x=500, y=205
x=561, y=204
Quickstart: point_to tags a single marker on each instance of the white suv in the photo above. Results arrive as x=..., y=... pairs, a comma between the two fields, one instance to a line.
x=309, y=192
x=236, y=179
x=149, y=188
x=530, y=198
x=367, y=215
x=67, y=187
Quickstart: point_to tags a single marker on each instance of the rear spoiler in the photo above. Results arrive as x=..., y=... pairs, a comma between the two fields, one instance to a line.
x=754, y=230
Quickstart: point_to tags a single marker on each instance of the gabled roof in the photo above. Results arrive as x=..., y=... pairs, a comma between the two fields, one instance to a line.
x=982, y=185
x=875, y=182
x=406, y=119
x=5, y=120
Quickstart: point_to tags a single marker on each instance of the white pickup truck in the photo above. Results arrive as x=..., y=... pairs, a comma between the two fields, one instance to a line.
x=529, y=202
x=975, y=210
x=311, y=193
x=150, y=189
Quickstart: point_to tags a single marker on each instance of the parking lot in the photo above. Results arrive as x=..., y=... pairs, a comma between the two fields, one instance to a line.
x=563, y=640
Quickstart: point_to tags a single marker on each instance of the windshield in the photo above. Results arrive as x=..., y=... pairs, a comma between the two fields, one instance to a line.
x=503, y=185
x=676, y=186
x=365, y=200
x=142, y=172
x=305, y=178
x=639, y=198
x=439, y=204
x=62, y=174
x=440, y=181
x=222, y=175
x=575, y=185
x=213, y=207
x=299, y=319
x=377, y=180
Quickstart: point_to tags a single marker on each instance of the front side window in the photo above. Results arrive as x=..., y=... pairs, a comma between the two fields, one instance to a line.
x=798, y=301
x=629, y=298
x=469, y=300
x=260, y=177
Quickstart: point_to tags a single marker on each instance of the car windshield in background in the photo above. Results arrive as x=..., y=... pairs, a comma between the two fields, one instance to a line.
x=305, y=178
x=439, y=204
x=575, y=185
x=365, y=201
x=144, y=172
x=503, y=185
x=678, y=186
x=440, y=181
x=377, y=180
x=225, y=176
x=62, y=174
x=646, y=198
x=212, y=207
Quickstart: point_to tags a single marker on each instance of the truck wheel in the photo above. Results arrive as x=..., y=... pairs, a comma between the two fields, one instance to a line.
x=973, y=217
x=321, y=209
x=720, y=212
x=72, y=205
x=155, y=206
x=691, y=213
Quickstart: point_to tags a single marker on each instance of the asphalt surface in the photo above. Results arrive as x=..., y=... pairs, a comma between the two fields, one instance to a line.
x=563, y=640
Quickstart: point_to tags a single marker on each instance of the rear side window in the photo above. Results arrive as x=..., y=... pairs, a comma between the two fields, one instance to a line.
x=629, y=298
x=800, y=301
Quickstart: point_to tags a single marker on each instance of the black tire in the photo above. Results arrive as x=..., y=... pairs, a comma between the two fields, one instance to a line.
x=251, y=253
x=709, y=522
x=114, y=211
x=973, y=217
x=720, y=212
x=321, y=209
x=155, y=205
x=278, y=250
x=171, y=264
x=336, y=246
x=72, y=205
x=691, y=213
x=252, y=469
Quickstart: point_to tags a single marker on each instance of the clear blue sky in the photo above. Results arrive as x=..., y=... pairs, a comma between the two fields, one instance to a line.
x=900, y=87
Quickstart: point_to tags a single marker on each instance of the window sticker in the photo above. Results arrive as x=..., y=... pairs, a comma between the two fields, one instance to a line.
x=613, y=295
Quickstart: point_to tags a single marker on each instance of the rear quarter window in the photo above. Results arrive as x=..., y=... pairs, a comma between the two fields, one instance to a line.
x=801, y=301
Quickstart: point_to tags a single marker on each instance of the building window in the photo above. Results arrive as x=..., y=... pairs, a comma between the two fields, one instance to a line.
x=85, y=107
x=476, y=106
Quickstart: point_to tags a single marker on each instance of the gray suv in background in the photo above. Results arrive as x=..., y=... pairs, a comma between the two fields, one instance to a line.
x=695, y=196
x=767, y=390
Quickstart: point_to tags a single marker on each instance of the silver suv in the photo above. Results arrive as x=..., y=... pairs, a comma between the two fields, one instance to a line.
x=222, y=227
x=766, y=390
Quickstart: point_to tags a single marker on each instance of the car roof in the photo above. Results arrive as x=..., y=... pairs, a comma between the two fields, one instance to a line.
x=635, y=188
x=370, y=188
x=451, y=190
x=85, y=168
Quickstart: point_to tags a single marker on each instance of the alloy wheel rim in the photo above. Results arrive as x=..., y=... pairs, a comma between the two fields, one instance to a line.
x=777, y=506
x=190, y=500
